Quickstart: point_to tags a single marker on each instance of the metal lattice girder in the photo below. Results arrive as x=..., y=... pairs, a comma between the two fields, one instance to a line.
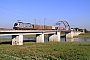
x=65, y=23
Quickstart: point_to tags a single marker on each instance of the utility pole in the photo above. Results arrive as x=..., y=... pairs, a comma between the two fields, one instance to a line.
x=35, y=24
x=44, y=23
x=35, y=21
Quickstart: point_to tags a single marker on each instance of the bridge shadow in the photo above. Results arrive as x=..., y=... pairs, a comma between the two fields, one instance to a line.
x=29, y=40
x=6, y=42
x=10, y=42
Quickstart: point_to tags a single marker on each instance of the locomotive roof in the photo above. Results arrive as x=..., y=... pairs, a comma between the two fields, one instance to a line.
x=19, y=21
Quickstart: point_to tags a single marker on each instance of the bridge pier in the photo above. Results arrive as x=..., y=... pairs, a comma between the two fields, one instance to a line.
x=17, y=39
x=72, y=34
x=40, y=38
x=54, y=37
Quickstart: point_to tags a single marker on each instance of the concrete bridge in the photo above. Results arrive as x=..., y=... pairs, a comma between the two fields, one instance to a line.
x=17, y=35
x=53, y=35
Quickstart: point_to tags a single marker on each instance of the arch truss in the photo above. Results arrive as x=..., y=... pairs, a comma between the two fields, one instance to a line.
x=62, y=25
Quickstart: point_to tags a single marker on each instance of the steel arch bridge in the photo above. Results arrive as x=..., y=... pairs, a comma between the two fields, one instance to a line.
x=62, y=25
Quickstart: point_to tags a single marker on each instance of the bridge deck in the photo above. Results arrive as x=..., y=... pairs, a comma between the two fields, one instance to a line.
x=33, y=30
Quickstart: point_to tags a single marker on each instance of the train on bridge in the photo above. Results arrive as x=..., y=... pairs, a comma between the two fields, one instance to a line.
x=28, y=26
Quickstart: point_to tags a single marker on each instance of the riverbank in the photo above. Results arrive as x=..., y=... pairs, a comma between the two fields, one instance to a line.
x=4, y=39
x=86, y=35
x=46, y=51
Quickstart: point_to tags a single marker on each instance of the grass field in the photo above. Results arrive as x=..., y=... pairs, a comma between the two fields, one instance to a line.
x=86, y=35
x=46, y=51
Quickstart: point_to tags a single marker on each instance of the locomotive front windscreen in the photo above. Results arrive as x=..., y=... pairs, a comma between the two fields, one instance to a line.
x=15, y=24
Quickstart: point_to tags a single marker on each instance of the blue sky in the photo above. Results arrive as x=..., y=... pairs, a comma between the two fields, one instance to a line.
x=76, y=12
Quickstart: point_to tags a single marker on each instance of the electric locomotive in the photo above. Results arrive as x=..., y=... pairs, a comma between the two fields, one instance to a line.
x=22, y=26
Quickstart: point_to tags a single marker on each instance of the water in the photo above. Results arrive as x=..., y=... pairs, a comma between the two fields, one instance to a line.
x=6, y=37
x=46, y=39
x=79, y=40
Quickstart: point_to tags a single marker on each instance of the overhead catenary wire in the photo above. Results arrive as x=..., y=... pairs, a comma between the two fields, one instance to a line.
x=19, y=12
x=39, y=19
x=27, y=17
